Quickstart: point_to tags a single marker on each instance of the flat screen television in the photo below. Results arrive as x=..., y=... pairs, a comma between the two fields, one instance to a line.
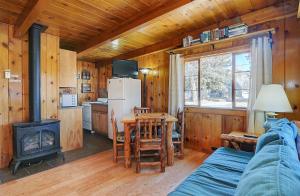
x=125, y=68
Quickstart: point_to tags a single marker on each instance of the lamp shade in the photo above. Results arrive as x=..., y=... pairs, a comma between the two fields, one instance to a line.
x=272, y=98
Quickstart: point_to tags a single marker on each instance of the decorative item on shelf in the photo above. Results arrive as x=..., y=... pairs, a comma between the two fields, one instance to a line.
x=205, y=37
x=237, y=29
x=272, y=98
x=215, y=34
x=223, y=37
x=145, y=72
x=85, y=75
x=187, y=41
x=224, y=33
x=195, y=41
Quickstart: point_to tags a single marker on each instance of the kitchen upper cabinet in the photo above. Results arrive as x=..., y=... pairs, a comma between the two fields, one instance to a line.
x=100, y=119
x=68, y=69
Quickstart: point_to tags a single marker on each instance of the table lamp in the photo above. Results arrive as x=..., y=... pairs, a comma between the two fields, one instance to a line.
x=271, y=99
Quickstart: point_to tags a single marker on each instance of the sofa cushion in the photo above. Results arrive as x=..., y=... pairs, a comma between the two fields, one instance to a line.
x=218, y=175
x=267, y=139
x=286, y=129
x=271, y=171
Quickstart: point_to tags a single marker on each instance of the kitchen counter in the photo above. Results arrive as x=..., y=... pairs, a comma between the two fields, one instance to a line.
x=62, y=108
x=99, y=103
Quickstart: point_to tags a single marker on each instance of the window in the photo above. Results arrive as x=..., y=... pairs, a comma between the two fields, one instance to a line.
x=218, y=81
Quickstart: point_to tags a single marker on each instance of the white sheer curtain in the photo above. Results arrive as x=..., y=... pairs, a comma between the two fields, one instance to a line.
x=261, y=73
x=176, y=82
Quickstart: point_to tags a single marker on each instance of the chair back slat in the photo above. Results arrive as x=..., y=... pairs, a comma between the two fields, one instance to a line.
x=153, y=128
x=115, y=135
x=180, y=120
x=156, y=130
x=114, y=122
x=141, y=110
x=180, y=130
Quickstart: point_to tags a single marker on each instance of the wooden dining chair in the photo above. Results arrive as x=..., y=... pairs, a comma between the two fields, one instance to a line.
x=150, y=137
x=118, y=139
x=178, y=134
x=141, y=110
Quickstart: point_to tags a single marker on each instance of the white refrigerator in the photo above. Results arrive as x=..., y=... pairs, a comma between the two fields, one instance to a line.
x=123, y=95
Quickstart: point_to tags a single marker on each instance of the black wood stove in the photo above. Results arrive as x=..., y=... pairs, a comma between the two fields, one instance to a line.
x=37, y=138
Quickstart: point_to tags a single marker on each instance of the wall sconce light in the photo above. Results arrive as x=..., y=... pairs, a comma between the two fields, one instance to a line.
x=145, y=72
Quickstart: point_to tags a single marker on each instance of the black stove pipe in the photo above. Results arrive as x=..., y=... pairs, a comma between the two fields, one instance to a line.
x=34, y=40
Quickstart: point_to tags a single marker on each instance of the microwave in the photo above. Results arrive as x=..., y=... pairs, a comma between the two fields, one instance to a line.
x=69, y=100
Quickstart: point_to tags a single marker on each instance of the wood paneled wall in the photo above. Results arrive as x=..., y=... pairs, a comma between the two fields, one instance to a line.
x=202, y=131
x=49, y=76
x=157, y=81
x=203, y=126
x=104, y=73
x=286, y=61
x=13, y=102
x=91, y=67
x=14, y=99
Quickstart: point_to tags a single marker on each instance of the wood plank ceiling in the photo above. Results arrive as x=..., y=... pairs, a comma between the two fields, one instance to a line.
x=79, y=22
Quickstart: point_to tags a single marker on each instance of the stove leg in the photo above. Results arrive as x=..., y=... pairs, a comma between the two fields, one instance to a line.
x=15, y=166
x=62, y=156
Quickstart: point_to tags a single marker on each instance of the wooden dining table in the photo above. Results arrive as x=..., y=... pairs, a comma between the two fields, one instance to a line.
x=130, y=123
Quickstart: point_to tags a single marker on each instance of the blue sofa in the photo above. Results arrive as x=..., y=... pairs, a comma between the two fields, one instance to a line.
x=274, y=169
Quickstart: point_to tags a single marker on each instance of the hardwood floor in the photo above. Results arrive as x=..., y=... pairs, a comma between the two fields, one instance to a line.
x=98, y=175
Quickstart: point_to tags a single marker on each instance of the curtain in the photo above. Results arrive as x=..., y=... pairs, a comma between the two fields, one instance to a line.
x=176, y=82
x=261, y=73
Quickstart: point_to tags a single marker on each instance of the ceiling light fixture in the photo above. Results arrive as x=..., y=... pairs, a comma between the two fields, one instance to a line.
x=115, y=43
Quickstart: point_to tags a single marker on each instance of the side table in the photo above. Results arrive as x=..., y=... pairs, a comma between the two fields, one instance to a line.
x=235, y=139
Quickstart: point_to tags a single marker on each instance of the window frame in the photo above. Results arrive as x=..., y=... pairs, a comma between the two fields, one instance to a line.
x=233, y=89
x=234, y=54
x=198, y=75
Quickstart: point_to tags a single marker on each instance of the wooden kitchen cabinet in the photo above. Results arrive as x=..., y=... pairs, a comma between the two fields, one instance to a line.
x=71, y=132
x=68, y=69
x=100, y=119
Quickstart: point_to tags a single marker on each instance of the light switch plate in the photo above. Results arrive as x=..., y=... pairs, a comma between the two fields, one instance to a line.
x=7, y=74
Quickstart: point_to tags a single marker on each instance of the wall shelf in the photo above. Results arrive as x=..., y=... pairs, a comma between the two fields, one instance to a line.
x=212, y=43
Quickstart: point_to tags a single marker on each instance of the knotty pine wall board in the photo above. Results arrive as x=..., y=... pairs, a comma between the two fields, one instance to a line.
x=14, y=97
x=93, y=95
x=157, y=81
x=286, y=71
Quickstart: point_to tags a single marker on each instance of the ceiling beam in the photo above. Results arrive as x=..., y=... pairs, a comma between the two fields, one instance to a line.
x=275, y=12
x=29, y=16
x=131, y=25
